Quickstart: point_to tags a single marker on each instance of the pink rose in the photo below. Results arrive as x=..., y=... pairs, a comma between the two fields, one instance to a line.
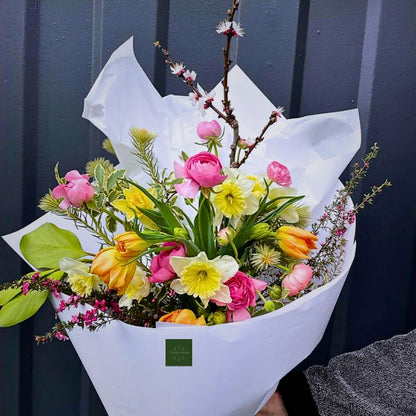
x=75, y=192
x=201, y=170
x=208, y=129
x=160, y=267
x=243, y=294
x=279, y=173
x=298, y=279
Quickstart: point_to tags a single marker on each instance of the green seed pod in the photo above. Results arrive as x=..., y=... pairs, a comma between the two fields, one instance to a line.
x=269, y=306
x=218, y=317
x=275, y=292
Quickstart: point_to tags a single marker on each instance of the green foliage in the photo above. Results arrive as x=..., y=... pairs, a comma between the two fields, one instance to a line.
x=46, y=245
x=108, y=146
x=21, y=307
x=8, y=294
x=203, y=228
x=49, y=204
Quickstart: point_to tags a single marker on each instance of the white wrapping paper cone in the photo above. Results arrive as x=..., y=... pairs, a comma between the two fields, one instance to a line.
x=235, y=367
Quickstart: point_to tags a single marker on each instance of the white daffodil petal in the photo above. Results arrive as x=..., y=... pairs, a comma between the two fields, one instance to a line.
x=67, y=265
x=252, y=205
x=177, y=286
x=227, y=266
x=290, y=215
x=246, y=186
x=125, y=301
x=223, y=295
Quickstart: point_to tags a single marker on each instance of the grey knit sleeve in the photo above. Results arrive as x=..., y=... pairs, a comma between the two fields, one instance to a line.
x=379, y=380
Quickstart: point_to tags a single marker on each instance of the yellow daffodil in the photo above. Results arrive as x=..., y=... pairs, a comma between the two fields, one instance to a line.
x=183, y=316
x=204, y=278
x=134, y=199
x=80, y=279
x=234, y=198
x=295, y=241
x=138, y=288
x=259, y=188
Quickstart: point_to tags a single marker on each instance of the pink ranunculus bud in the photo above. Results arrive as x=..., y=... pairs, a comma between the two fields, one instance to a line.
x=208, y=129
x=75, y=192
x=160, y=267
x=200, y=170
x=279, y=173
x=298, y=279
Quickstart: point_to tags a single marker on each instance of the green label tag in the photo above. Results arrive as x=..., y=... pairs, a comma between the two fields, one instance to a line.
x=178, y=352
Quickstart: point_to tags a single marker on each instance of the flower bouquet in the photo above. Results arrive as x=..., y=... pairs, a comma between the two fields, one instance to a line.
x=194, y=284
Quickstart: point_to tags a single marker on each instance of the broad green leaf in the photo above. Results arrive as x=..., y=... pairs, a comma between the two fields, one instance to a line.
x=21, y=308
x=204, y=229
x=46, y=245
x=8, y=294
x=111, y=224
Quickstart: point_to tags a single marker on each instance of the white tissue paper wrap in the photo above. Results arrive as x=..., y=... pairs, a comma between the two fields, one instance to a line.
x=237, y=366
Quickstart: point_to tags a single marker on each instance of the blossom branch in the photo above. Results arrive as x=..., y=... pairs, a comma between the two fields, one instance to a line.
x=272, y=119
x=188, y=81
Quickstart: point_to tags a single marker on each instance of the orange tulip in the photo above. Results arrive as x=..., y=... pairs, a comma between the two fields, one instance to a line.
x=183, y=316
x=295, y=241
x=116, y=273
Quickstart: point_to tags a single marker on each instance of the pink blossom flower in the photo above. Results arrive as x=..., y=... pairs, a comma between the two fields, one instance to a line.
x=208, y=129
x=243, y=294
x=75, y=192
x=178, y=69
x=189, y=76
x=160, y=267
x=279, y=173
x=59, y=335
x=233, y=27
x=200, y=170
x=25, y=288
x=298, y=279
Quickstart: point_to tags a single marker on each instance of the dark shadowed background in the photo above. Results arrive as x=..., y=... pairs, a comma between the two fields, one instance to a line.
x=310, y=56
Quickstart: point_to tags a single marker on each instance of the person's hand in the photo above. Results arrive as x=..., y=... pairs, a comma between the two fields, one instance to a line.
x=274, y=407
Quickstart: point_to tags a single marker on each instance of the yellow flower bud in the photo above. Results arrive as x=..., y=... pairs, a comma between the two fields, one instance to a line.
x=130, y=245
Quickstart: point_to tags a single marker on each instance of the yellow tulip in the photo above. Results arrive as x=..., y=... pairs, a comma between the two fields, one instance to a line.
x=295, y=241
x=115, y=272
x=129, y=245
x=183, y=316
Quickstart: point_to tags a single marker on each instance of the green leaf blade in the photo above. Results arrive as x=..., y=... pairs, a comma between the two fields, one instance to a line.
x=48, y=244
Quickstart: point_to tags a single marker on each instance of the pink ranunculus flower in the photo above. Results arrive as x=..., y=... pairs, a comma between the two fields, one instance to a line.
x=208, y=129
x=75, y=192
x=243, y=294
x=200, y=170
x=160, y=267
x=298, y=279
x=279, y=173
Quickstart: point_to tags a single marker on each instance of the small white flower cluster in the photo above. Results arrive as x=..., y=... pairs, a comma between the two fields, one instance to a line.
x=179, y=70
x=233, y=27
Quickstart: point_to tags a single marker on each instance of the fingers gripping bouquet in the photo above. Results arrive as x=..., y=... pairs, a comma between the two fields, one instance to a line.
x=222, y=270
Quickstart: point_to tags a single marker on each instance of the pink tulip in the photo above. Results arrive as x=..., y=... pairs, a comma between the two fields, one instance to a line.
x=160, y=267
x=75, y=192
x=298, y=279
x=200, y=170
x=279, y=173
x=208, y=129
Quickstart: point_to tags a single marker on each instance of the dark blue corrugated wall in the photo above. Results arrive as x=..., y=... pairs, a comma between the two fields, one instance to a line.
x=311, y=56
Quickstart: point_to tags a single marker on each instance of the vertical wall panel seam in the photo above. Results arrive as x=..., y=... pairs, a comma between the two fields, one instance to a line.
x=364, y=100
x=299, y=63
x=162, y=35
x=30, y=153
x=96, y=63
